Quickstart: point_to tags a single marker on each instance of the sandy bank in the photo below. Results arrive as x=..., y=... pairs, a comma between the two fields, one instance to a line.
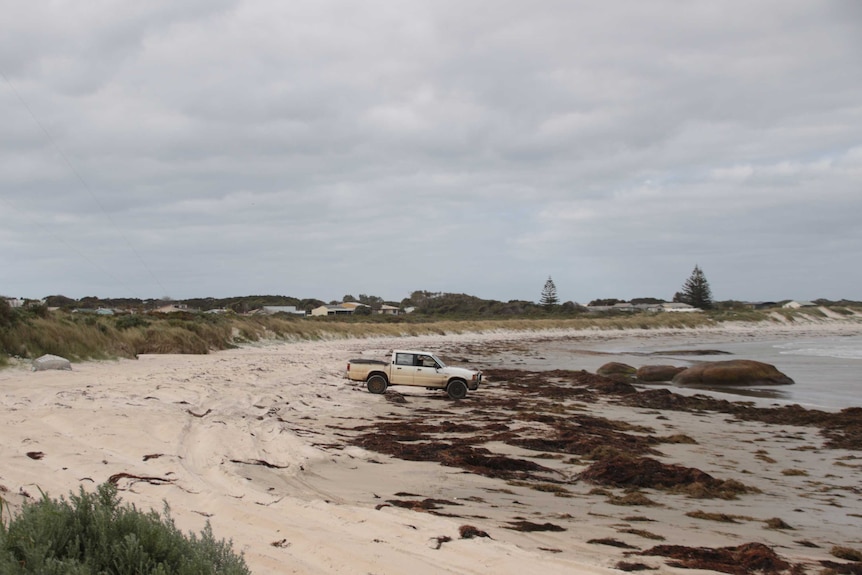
x=261, y=441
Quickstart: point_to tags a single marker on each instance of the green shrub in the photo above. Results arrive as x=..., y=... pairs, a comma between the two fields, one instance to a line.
x=130, y=321
x=92, y=533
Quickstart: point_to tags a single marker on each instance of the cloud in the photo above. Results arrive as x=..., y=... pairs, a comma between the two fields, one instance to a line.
x=232, y=147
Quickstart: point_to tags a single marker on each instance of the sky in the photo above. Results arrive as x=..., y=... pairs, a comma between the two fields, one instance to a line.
x=318, y=148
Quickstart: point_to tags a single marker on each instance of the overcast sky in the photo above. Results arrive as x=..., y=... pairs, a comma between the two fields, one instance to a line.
x=322, y=148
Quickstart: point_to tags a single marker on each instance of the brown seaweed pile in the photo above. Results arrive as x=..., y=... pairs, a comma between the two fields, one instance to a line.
x=842, y=430
x=739, y=560
x=543, y=412
x=645, y=472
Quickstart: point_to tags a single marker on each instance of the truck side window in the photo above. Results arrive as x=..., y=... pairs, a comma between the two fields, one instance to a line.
x=425, y=361
x=404, y=359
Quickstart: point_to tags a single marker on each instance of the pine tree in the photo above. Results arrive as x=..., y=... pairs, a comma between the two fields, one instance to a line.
x=549, y=295
x=695, y=292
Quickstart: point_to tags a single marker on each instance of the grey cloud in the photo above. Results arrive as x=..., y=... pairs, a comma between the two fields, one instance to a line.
x=611, y=145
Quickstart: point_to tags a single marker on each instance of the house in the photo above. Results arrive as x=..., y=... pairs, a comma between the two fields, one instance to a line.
x=13, y=301
x=274, y=309
x=97, y=311
x=679, y=307
x=389, y=310
x=172, y=308
x=798, y=304
x=343, y=308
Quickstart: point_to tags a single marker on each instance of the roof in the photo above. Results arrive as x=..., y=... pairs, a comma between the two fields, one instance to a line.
x=282, y=309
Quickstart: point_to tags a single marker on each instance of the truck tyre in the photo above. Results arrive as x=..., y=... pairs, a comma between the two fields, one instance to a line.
x=457, y=389
x=376, y=384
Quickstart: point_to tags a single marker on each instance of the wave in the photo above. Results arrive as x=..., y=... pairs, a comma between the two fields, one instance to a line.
x=839, y=348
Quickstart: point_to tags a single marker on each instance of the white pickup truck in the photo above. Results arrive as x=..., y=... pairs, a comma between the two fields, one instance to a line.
x=417, y=368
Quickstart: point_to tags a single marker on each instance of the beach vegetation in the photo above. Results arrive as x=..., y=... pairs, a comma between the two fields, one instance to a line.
x=695, y=291
x=91, y=533
x=549, y=297
x=80, y=334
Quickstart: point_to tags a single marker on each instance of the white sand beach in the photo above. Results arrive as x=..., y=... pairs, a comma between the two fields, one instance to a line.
x=257, y=441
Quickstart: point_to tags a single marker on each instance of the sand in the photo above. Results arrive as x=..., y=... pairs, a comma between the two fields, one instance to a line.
x=260, y=442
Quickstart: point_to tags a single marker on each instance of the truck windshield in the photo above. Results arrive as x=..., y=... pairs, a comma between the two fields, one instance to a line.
x=439, y=361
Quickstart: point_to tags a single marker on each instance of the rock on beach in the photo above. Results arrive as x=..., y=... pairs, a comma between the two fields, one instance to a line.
x=657, y=373
x=732, y=372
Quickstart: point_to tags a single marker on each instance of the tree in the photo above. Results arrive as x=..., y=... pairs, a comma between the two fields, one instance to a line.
x=371, y=300
x=606, y=302
x=549, y=295
x=695, y=292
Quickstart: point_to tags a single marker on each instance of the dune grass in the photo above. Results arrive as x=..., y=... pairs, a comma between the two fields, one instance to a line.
x=80, y=337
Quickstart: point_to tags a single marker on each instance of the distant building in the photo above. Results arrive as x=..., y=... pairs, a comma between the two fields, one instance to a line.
x=13, y=301
x=343, y=308
x=274, y=309
x=798, y=304
x=678, y=307
x=97, y=311
x=389, y=310
x=172, y=308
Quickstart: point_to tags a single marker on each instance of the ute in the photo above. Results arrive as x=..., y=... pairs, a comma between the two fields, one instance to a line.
x=416, y=368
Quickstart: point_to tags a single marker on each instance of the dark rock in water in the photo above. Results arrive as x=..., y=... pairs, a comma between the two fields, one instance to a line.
x=658, y=372
x=617, y=371
x=732, y=372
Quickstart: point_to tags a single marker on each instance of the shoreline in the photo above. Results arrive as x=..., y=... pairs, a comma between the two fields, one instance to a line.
x=321, y=503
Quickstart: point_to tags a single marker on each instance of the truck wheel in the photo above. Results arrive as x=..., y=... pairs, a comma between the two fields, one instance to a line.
x=457, y=389
x=376, y=384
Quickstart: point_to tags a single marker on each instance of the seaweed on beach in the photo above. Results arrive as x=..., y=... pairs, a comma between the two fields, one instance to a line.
x=544, y=412
x=529, y=526
x=451, y=453
x=470, y=532
x=537, y=411
x=589, y=436
x=427, y=504
x=645, y=472
x=739, y=560
x=842, y=568
x=547, y=385
x=842, y=430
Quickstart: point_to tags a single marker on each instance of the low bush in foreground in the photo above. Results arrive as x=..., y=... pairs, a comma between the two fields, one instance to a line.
x=92, y=533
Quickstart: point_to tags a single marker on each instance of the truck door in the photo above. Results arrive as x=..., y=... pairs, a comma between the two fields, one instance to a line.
x=403, y=369
x=426, y=372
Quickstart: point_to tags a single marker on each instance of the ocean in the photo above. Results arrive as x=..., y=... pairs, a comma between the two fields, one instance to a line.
x=827, y=370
